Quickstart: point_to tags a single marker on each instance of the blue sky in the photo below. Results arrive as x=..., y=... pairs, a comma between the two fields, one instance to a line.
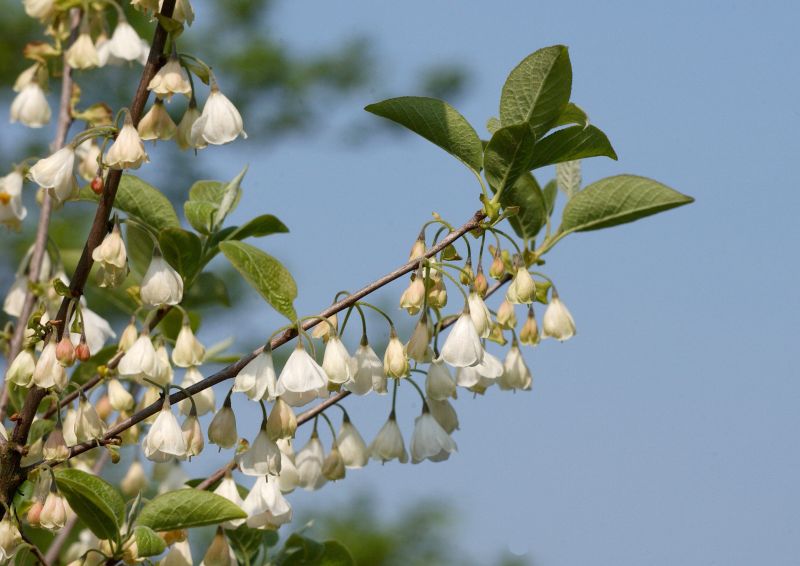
x=666, y=431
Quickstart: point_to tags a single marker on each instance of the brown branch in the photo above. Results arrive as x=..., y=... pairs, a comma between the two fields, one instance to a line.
x=43, y=228
x=12, y=476
x=233, y=369
x=326, y=404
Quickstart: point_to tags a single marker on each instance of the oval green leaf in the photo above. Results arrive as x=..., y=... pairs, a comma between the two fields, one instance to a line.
x=618, y=200
x=142, y=201
x=186, y=508
x=182, y=250
x=526, y=194
x=537, y=91
x=437, y=122
x=569, y=144
x=507, y=155
x=264, y=225
x=94, y=500
x=148, y=543
x=265, y=274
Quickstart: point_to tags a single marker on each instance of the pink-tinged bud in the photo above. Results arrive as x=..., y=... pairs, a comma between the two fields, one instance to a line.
x=104, y=407
x=65, y=352
x=34, y=513
x=82, y=352
x=97, y=185
x=481, y=284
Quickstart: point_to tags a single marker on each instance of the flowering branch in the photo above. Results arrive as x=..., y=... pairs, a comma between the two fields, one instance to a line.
x=12, y=477
x=232, y=370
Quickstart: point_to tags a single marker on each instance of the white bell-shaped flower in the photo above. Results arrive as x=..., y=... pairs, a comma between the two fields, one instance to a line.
x=418, y=345
x=261, y=458
x=157, y=124
x=516, y=374
x=395, y=361
x=161, y=284
x=49, y=373
x=125, y=43
x=82, y=54
x=55, y=448
x=439, y=384
x=112, y=258
x=188, y=350
x=506, y=316
x=183, y=135
x=301, y=379
x=180, y=554
x=227, y=488
x=139, y=361
x=444, y=413
x=165, y=440
x=30, y=107
x=12, y=211
x=413, y=296
x=257, y=379
x=282, y=422
x=192, y=435
x=12, y=305
x=89, y=154
x=10, y=539
x=522, y=289
x=135, y=479
x=88, y=424
x=463, y=346
x=39, y=9
x=288, y=478
x=220, y=121
x=309, y=461
x=204, y=400
x=68, y=427
x=127, y=151
x=479, y=312
x=352, y=448
x=20, y=372
x=164, y=372
x=119, y=397
x=557, y=321
x=171, y=79
x=265, y=505
x=336, y=361
x=388, y=444
x=222, y=429
x=55, y=172
x=366, y=367
x=54, y=513
x=430, y=441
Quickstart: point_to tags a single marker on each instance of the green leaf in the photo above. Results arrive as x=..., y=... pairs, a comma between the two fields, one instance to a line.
x=39, y=429
x=186, y=508
x=140, y=249
x=507, y=155
x=246, y=542
x=148, y=543
x=263, y=225
x=23, y=498
x=171, y=324
x=208, y=289
x=301, y=551
x=493, y=124
x=537, y=90
x=200, y=215
x=231, y=194
x=182, y=250
x=617, y=200
x=550, y=192
x=532, y=215
x=572, y=114
x=94, y=500
x=265, y=274
x=142, y=201
x=336, y=555
x=569, y=144
x=207, y=191
x=437, y=122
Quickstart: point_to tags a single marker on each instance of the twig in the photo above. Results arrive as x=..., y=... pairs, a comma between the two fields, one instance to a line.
x=12, y=476
x=42, y=229
x=232, y=370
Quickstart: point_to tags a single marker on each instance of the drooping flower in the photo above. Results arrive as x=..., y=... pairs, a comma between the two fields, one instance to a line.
x=262, y=457
x=388, y=444
x=309, y=461
x=188, y=350
x=127, y=151
x=135, y=479
x=326, y=328
x=139, y=361
x=352, y=448
x=171, y=79
x=439, y=384
x=395, y=361
x=180, y=554
x=54, y=512
x=288, y=478
x=119, y=397
x=222, y=430
x=418, y=345
x=463, y=346
x=157, y=124
x=55, y=173
x=444, y=413
x=481, y=317
x=192, y=435
x=220, y=552
x=265, y=505
x=39, y=9
x=333, y=466
x=522, y=289
x=165, y=439
x=530, y=331
x=89, y=154
x=125, y=43
x=12, y=304
x=12, y=211
x=204, y=400
x=49, y=373
x=336, y=361
x=10, y=538
x=301, y=379
x=20, y=372
x=161, y=284
x=30, y=107
x=183, y=135
x=220, y=121
x=557, y=321
x=112, y=258
x=367, y=368
x=164, y=370
x=506, y=316
x=413, y=297
x=129, y=336
x=430, y=441
x=55, y=448
x=88, y=424
x=516, y=374
x=82, y=54
x=257, y=379
x=282, y=422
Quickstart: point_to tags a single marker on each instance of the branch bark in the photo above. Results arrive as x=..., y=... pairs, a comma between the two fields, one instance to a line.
x=11, y=476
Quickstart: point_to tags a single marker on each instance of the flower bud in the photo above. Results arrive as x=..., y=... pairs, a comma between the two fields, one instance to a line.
x=530, y=331
x=395, y=362
x=413, y=297
x=333, y=466
x=119, y=397
x=481, y=285
x=336, y=361
x=129, y=336
x=498, y=269
x=417, y=347
x=557, y=321
x=82, y=352
x=161, y=284
x=12, y=211
x=20, y=372
x=127, y=151
x=282, y=422
x=65, y=352
x=188, y=349
x=193, y=436
x=522, y=289
x=135, y=480
x=219, y=553
x=445, y=414
x=222, y=430
x=112, y=258
x=506, y=316
x=54, y=512
x=388, y=444
x=467, y=276
x=55, y=448
x=35, y=513
x=437, y=293
x=97, y=185
x=183, y=135
x=351, y=445
x=103, y=407
x=418, y=249
x=164, y=372
x=89, y=166
x=309, y=462
x=157, y=124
